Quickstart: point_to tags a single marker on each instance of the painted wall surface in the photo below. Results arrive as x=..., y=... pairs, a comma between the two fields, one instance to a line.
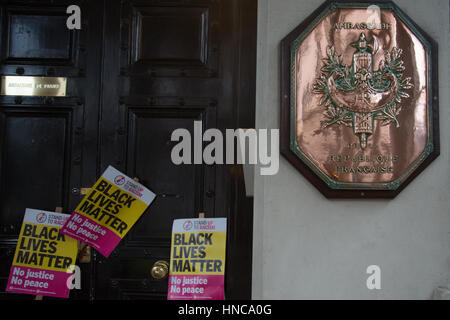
x=308, y=247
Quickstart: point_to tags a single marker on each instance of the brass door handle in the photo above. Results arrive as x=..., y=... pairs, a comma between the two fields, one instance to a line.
x=160, y=270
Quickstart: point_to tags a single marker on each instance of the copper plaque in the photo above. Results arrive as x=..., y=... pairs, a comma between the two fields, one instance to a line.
x=359, y=99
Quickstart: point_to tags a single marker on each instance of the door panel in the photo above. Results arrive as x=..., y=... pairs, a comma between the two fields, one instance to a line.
x=35, y=34
x=169, y=39
x=160, y=32
x=37, y=148
x=37, y=30
x=179, y=188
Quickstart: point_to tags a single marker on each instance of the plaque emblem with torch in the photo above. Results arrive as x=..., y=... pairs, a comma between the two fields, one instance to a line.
x=356, y=96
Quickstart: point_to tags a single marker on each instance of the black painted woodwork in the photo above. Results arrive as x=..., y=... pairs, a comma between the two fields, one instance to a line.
x=136, y=71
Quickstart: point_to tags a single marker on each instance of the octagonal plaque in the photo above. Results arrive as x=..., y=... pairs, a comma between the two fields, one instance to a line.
x=359, y=99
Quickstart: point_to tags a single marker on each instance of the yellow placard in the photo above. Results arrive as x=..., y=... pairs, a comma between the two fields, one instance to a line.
x=111, y=207
x=197, y=259
x=198, y=253
x=108, y=211
x=41, y=245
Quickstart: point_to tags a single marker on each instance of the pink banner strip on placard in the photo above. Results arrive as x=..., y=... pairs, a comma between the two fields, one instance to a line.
x=196, y=287
x=38, y=282
x=81, y=228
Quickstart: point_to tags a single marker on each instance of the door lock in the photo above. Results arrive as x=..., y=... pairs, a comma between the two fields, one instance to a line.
x=160, y=270
x=81, y=191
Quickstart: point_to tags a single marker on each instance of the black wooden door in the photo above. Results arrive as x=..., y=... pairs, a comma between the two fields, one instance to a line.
x=166, y=65
x=48, y=146
x=137, y=71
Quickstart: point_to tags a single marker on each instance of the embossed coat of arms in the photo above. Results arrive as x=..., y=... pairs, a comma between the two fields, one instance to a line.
x=357, y=95
x=359, y=99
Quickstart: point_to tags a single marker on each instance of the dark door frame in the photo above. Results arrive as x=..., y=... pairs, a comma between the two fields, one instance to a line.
x=239, y=251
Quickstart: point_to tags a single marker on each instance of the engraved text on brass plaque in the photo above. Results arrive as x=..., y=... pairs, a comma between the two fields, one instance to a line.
x=33, y=86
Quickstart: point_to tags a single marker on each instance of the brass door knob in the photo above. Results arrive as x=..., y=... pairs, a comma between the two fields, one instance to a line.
x=160, y=270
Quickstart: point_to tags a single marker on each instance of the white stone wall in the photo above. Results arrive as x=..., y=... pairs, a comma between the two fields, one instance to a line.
x=308, y=247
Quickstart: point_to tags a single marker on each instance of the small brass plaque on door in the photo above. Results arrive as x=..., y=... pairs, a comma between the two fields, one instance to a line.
x=34, y=86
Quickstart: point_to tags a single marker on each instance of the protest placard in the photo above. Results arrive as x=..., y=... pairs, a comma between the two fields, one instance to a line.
x=42, y=256
x=108, y=211
x=197, y=259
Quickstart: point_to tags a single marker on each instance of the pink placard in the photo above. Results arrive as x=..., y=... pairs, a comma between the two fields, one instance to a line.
x=198, y=287
x=38, y=282
x=103, y=240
